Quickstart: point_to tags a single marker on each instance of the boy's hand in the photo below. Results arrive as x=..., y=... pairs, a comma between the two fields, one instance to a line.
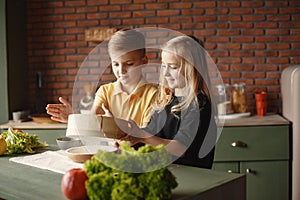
x=107, y=113
x=60, y=112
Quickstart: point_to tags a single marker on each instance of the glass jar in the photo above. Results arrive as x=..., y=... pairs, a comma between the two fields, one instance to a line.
x=239, y=98
x=224, y=103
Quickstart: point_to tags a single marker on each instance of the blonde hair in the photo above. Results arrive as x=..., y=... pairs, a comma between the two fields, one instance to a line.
x=194, y=68
x=124, y=41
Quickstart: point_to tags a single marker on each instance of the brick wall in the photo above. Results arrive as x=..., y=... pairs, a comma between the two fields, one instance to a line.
x=250, y=41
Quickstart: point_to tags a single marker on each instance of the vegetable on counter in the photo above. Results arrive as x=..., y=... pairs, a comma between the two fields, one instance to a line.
x=19, y=142
x=72, y=184
x=106, y=182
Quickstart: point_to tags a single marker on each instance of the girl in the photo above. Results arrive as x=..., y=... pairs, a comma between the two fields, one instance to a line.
x=183, y=118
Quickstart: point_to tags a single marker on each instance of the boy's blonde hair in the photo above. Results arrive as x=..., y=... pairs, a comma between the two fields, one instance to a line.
x=125, y=41
x=193, y=67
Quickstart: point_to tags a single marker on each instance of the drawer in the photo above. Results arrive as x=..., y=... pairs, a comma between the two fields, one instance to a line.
x=253, y=143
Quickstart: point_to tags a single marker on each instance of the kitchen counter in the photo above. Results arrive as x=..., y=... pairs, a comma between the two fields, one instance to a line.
x=24, y=182
x=268, y=120
x=33, y=125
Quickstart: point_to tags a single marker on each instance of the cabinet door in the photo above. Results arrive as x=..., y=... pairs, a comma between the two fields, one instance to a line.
x=266, y=180
x=230, y=167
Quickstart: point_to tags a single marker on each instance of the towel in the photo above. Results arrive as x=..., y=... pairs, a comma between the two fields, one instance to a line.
x=56, y=161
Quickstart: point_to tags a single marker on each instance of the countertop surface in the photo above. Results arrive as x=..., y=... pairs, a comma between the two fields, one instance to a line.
x=33, y=125
x=20, y=181
x=268, y=120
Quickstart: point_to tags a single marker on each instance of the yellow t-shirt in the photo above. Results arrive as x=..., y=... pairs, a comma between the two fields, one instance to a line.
x=135, y=106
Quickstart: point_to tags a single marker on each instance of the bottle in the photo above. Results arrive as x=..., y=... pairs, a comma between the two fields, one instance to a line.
x=239, y=97
x=224, y=103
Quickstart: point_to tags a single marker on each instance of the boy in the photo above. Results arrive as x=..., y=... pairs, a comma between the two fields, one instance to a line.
x=129, y=97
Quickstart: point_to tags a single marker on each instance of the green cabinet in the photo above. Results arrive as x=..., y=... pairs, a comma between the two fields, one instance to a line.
x=262, y=152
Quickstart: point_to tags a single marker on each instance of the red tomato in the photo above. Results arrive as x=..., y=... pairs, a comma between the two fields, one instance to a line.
x=18, y=130
x=73, y=184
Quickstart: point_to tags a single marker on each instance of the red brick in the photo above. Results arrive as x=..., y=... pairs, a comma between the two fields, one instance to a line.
x=156, y=6
x=216, y=25
x=119, y=14
x=229, y=18
x=133, y=7
x=219, y=53
x=74, y=16
x=193, y=26
x=253, y=18
x=254, y=75
x=205, y=4
x=96, y=2
x=74, y=3
x=108, y=8
x=252, y=4
x=242, y=25
x=50, y=18
x=135, y=21
x=290, y=10
x=64, y=37
x=242, y=39
x=229, y=4
x=44, y=52
x=253, y=32
x=289, y=38
x=76, y=44
x=180, y=19
x=266, y=24
x=217, y=39
x=289, y=53
x=216, y=11
x=205, y=32
x=266, y=53
x=120, y=1
x=54, y=44
x=87, y=23
x=253, y=46
x=228, y=32
x=276, y=32
x=65, y=51
x=143, y=13
x=88, y=10
x=181, y=5
x=64, y=24
x=66, y=65
x=278, y=60
x=266, y=81
x=64, y=10
x=205, y=18
x=276, y=3
x=192, y=12
x=109, y=22
x=266, y=67
x=278, y=17
x=230, y=74
x=230, y=46
x=55, y=58
x=266, y=10
x=240, y=53
x=242, y=11
x=156, y=20
x=168, y=13
x=272, y=75
x=242, y=67
x=253, y=60
x=229, y=60
x=289, y=24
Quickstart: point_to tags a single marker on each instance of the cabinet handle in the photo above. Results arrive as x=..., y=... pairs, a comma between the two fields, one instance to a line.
x=250, y=171
x=238, y=144
x=229, y=171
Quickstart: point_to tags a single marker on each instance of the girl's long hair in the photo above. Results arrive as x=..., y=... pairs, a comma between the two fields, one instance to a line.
x=193, y=66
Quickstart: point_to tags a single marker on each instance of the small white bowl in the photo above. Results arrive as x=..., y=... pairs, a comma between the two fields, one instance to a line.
x=68, y=142
x=83, y=153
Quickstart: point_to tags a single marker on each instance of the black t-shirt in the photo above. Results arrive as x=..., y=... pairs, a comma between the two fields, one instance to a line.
x=190, y=127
